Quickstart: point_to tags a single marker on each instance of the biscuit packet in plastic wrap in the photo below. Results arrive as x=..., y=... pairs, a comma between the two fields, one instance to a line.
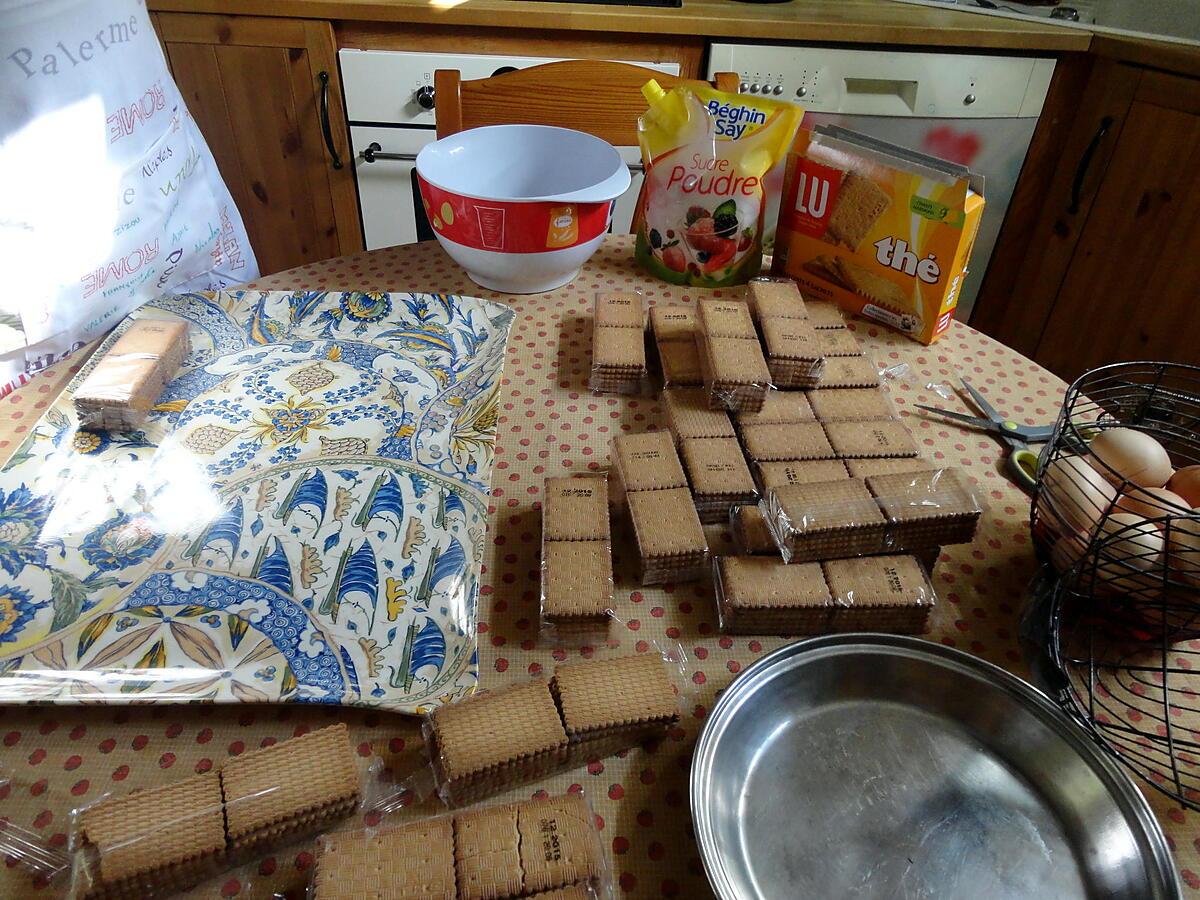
x=706, y=152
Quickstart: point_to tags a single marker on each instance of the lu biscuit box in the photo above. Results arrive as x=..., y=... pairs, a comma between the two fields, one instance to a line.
x=883, y=231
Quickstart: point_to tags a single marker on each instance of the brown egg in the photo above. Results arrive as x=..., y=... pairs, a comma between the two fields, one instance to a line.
x=1150, y=503
x=1133, y=456
x=1076, y=492
x=1138, y=549
x=1183, y=549
x=1186, y=483
x=1066, y=551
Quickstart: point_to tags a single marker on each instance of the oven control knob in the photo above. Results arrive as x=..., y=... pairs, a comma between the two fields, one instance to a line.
x=777, y=90
x=743, y=87
x=802, y=91
x=754, y=88
x=424, y=96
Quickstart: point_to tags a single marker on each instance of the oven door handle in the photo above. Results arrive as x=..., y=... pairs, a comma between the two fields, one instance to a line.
x=374, y=151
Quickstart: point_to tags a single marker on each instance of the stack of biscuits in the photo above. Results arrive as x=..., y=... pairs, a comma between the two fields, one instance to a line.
x=735, y=372
x=795, y=357
x=166, y=839
x=716, y=467
x=759, y=595
x=670, y=538
x=618, y=344
x=122, y=386
x=495, y=741
x=903, y=512
x=577, y=575
x=544, y=847
x=674, y=329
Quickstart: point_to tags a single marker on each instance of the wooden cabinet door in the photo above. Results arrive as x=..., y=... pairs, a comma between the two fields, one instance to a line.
x=1130, y=291
x=259, y=88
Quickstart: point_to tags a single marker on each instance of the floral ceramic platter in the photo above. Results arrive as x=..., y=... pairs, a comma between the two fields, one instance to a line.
x=300, y=520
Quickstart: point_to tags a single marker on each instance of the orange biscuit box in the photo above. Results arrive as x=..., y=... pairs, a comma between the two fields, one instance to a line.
x=884, y=232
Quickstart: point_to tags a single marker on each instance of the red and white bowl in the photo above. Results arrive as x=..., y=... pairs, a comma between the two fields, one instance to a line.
x=520, y=207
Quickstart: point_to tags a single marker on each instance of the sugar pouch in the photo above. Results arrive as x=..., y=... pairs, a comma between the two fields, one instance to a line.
x=706, y=152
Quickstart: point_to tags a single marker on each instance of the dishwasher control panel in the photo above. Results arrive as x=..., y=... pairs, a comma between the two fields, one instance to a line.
x=866, y=82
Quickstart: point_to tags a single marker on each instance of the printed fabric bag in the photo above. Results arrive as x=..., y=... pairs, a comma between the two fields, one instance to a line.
x=109, y=195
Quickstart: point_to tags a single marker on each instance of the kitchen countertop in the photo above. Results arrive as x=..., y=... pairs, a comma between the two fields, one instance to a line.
x=835, y=21
x=549, y=424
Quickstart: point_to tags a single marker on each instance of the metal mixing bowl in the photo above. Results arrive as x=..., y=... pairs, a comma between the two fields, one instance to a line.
x=875, y=766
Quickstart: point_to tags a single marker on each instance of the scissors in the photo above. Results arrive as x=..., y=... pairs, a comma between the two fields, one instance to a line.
x=1021, y=463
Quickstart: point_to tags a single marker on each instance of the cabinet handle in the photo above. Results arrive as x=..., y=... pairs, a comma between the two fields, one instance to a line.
x=1085, y=163
x=374, y=152
x=323, y=77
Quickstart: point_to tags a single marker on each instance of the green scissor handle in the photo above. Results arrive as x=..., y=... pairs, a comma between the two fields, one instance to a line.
x=1022, y=468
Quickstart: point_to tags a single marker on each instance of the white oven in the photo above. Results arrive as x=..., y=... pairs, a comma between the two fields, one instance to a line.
x=391, y=107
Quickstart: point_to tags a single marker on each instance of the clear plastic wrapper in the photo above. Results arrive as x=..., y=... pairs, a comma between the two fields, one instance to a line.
x=775, y=297
x=893, y=513
x=619, y=344
x=719, y=476
x=158, y=841
x=545, y=846
x=589, y=710
x=670, y=537
x=763, y=595
x=119, y=391
x=576, y=559
x=735, y=372
x=674, y=329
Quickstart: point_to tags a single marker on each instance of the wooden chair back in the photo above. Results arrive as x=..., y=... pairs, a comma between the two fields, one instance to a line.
x=600, y=97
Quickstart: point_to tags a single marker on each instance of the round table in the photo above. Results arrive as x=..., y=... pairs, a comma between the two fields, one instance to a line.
x=550, y=425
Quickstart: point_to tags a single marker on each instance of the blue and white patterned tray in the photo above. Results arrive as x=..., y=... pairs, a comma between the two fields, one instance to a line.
x=301, y=519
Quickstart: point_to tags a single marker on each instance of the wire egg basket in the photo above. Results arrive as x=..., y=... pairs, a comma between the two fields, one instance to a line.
x=1123, y=602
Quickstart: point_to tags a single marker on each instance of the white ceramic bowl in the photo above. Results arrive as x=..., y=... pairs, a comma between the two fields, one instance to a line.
x=520, y=207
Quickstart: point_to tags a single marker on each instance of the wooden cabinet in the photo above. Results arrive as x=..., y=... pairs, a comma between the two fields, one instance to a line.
x=267, y=97
x=1109, y=270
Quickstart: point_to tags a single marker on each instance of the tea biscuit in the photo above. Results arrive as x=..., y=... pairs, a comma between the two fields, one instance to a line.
x=719, y=476
x=578, y=579
x=825, y=314
x=486, y=732
x=680, y=362
x=775, y=298
x=825, y=268
x=290, y=787
x=848, y=372
x=406, y=862
x=666, y=524
x=760, y=594
x=800, y=471
x=799, y=440
x=575, y=509
x=825, y=520
x=851, y=404
x=487, y=853
x=606, y=694
x=688, y=415
x=648, y=462
x=779, y=408
x=674, y=324
x=861, y=468
x=559, y=844
x=859, y=204
x=873, y=437
x=727, y=319
x=618, y=348
x=579, y=891
x=837, y=342
x=928, y=508
x=153, y=830
x=620, y=309
x=879, y=593
x=735, y=361
x=751, y=536
x=872, y=285
x=791, y=338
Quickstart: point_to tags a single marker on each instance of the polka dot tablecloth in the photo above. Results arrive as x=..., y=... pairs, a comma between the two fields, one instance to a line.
x=550, y=424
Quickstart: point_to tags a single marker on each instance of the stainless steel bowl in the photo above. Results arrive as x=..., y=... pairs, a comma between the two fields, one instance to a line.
x=875, y=766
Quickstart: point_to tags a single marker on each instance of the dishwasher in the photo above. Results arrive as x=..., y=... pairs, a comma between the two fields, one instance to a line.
x=975, y=110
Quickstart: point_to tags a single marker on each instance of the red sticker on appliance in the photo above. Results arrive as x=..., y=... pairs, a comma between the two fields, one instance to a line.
x=513, y=226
